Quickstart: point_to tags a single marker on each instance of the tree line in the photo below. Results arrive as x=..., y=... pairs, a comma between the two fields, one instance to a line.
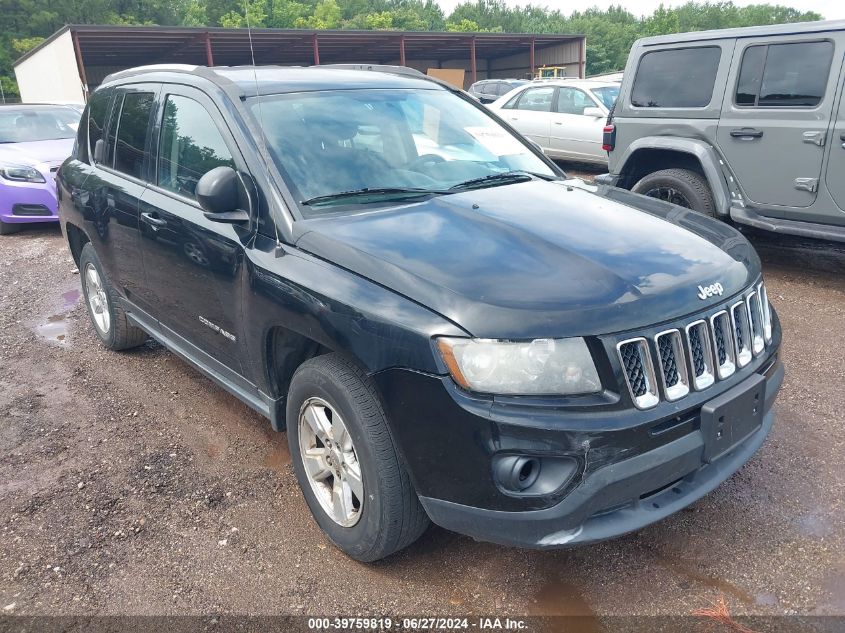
x=609, y=32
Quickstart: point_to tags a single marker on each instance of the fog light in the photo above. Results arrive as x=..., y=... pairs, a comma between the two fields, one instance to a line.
x=517, y=473
x=529, y=475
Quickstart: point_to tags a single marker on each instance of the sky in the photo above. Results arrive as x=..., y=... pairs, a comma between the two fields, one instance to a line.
x=829, y=9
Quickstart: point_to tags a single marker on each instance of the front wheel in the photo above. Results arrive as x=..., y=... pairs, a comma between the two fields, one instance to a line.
x=348, y=467
x=679, y=186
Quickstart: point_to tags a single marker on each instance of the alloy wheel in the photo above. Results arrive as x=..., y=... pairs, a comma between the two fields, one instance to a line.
x=669, y=194
x=98, y=301
x=331, y=463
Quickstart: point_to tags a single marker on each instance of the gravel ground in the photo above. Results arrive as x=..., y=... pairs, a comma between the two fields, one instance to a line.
x=130, y=484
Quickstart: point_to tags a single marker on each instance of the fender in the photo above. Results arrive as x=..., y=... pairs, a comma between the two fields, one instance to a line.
x=710, y=161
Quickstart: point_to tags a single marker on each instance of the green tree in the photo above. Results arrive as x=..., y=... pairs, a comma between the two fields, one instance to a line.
x=327, y=15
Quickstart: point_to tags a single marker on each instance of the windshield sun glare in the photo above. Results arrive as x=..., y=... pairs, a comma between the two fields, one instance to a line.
x=393, y=142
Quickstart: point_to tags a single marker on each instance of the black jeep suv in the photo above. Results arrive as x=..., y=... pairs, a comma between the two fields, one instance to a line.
x=447, y=327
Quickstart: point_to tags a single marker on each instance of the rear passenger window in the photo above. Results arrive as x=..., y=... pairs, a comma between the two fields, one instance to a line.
x=536, y=99
x=676, y=78
x=97, y=111
x=190, y=146
x=132, y=133
x=790, y=75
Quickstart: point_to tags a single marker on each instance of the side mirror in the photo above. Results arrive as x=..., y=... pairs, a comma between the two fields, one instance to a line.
x=218, y=192
x=99, y=151
x=594, y=112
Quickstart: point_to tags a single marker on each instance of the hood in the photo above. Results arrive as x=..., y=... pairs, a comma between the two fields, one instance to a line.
x=35, y=153
x=541, y=259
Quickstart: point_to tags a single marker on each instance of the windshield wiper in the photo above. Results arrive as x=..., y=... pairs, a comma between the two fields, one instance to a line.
x=501, y=179
x=367, y=192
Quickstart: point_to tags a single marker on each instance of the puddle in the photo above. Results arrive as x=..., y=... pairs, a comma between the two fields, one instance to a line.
x=278, y=458
x=683, y=568
x=70, y=298
x=55, y=328
x=558, y=597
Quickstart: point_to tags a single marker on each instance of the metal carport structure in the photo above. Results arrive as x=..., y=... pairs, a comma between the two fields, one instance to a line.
x=97, y=50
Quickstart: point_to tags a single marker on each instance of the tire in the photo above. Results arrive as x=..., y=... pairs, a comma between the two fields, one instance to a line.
x=390, y=516
x=680, y=186
x=8, y=229
x=115, y=332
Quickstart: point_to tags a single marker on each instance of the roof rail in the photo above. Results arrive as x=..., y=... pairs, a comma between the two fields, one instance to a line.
x=203, y=71
x=378, y=68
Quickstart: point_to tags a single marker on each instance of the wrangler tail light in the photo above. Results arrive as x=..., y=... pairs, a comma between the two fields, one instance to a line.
x=609, y=137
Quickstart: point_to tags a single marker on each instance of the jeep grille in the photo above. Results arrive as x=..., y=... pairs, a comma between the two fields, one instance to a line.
x=695, y=356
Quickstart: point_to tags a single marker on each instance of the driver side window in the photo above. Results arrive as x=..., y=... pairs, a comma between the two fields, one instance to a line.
x=190, y=146
x=536, y=99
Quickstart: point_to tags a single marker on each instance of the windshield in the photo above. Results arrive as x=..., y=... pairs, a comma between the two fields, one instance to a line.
x=42, y=124
x=329, y=142
x=607, y=95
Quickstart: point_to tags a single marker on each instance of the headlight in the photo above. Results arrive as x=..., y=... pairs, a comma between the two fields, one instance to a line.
x=540, y=367
x=21, y=173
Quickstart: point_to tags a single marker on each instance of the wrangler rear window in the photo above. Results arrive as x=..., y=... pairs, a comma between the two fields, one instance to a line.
x=676, y=78
x=790, y=75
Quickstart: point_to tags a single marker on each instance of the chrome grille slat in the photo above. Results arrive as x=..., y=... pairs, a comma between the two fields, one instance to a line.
x=767, y=312
x=741, y=332
x=723, y=344
x=672, y=364
x=701, y=354
x=639, y=372
x=755, y=321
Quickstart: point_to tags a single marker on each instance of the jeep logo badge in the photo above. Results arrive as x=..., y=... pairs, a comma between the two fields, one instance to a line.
x=709, y=291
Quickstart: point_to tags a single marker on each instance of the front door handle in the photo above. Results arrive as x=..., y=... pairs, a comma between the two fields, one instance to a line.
x=842, y=138
x=152, y=220
x=746, y=133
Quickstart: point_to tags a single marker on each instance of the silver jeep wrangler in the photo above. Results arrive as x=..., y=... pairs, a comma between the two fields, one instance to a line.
x=743, y=124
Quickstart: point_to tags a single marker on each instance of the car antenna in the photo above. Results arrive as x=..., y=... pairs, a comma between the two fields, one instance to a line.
x=262, y=137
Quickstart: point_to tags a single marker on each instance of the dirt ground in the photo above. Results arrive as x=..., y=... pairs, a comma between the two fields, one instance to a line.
x=130, y=484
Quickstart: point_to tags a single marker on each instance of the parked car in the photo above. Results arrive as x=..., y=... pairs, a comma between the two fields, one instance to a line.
x=488, y=90
x=467, y=338
x=34, y=140
x=566, y=117
x=746, y=125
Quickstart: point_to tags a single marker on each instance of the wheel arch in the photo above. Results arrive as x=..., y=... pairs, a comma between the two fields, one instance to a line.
x=284, y=351
x=76, y=239
x=649, y=154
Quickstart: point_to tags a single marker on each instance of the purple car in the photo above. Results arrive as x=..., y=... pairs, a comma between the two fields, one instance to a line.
x=34, y=141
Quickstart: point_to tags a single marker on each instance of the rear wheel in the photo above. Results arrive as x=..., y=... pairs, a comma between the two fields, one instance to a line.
x=350, y=472
x=8, y=229
x=683, y=187
x=107, y=315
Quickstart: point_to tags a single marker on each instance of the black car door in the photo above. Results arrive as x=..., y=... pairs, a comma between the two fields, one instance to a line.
x=193, y=265
x=117, y=182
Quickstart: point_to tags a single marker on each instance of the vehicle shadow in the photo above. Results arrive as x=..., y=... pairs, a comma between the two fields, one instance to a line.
x=794, y=254
x=36, y=229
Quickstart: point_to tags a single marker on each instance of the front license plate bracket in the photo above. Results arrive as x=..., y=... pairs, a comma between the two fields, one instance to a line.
x=730, y=418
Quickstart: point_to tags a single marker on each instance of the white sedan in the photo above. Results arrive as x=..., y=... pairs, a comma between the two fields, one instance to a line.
x=565, y=117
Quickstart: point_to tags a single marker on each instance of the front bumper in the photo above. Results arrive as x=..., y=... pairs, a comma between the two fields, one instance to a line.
x=615, y=499
x=28, y=201
x=630, y=473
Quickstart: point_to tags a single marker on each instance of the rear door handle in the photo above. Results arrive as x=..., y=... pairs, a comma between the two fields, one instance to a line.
x=152, y=220
x=746, y=133
x=842, y=138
